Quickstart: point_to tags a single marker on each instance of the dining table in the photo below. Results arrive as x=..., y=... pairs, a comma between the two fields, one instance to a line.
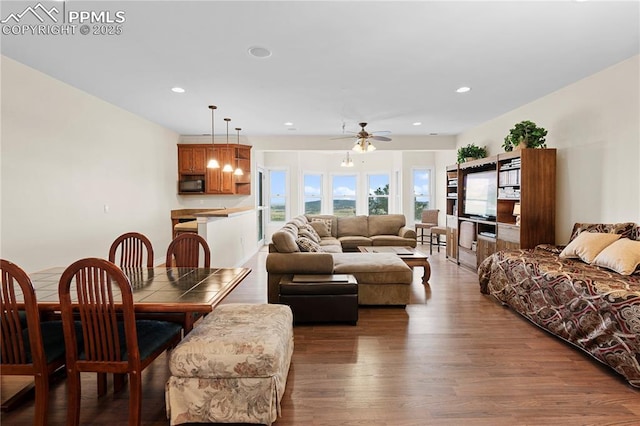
x=158, y=290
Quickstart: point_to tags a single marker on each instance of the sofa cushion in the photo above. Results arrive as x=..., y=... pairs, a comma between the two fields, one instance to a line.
x=328, y=219
x=308, y=245
x=330, y=245
x=353, y=226
x=285, y=241
x=625, y=229
x=320, y=226
x=308, y=232
x=623, y=256
x=299, y=221
x=587, y=245
x=351, y=243
x=392, y=240
x=373, y=268
x=388, y=224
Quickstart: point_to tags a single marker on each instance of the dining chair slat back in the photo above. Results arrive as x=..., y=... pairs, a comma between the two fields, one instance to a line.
x=114, y=342
x=129, y=250
x=184, y=251
x=23, y=349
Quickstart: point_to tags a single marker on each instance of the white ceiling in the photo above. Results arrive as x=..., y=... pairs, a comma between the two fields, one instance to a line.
x=388, y=63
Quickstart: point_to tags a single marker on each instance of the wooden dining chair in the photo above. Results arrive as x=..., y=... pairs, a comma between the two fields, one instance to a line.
x=113, y=340
x=29, y=347
x=184, y=251
x=129, y=249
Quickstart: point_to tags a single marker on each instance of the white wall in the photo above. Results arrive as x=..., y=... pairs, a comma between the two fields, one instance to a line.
x=595, y=125
x=65, y=155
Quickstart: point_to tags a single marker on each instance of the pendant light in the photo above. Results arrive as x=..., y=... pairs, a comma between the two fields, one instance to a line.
x=238, y=171
x=227, y=167
x=347, y=162
x=213, y=163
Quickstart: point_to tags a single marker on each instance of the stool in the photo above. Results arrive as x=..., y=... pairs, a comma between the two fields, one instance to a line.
x=321, y=298
x=183, y=227
x=238, y=356
x=436, y=231
x=422, y=227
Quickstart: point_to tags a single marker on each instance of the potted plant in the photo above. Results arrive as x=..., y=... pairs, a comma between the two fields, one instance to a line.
x=525, y=134
x=471, y=152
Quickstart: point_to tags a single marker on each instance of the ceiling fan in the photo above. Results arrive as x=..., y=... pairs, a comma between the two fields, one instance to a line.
x=363, y=143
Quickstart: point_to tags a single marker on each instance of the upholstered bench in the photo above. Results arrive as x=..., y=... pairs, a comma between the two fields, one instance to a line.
x=321, y=298
x=232, y=367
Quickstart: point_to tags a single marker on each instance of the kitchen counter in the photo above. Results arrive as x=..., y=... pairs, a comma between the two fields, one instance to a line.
x=222, y=212
x=186, y=215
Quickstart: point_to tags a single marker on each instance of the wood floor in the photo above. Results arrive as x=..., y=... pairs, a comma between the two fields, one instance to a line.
x=452, y=357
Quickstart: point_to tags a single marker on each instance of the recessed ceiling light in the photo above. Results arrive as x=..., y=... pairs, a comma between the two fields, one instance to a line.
x=177, y=90
x=463, y=89
x=259, y=52
x=417, y=123
x=288, y=123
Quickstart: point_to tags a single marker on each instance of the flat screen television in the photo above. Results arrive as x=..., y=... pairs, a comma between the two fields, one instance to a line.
x=480, y=195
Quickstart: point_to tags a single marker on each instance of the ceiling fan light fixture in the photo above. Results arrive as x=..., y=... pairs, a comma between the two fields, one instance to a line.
x=370, y=147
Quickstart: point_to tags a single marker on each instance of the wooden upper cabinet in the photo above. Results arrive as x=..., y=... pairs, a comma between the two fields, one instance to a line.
x=191, y=159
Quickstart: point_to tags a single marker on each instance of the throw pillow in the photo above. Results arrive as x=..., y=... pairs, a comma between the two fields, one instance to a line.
x=308, y=232
x=587, y=245
x=623, y=256
x=327, y=222
x=306, y=244
x=321, y=228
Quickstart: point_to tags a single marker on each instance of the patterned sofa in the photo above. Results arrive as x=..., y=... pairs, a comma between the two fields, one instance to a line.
x=564, y=291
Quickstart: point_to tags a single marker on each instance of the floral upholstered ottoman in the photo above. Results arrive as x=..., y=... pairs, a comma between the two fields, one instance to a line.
x=232, y=367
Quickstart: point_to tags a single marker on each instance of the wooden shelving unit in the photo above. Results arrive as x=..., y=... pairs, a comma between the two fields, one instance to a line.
x=526, y=177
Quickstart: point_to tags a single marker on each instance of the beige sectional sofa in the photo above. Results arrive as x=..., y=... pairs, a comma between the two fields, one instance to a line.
x=383, y=278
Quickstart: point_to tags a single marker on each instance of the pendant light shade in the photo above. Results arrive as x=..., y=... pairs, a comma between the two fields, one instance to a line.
x=238, y=171
x=347, y=162
x=213, y=163
x=363, y=145
x=227, y=167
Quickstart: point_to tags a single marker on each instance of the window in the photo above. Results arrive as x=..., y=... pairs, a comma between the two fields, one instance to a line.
x=378, y=194
x=277, y=195
x=421, y=192
x=312, y=194
x=344, y=195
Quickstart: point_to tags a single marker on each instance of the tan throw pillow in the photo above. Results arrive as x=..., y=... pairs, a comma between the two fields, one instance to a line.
x=327, y=223
x=587, y=245
x=623, y=256
x=321, y=228
x=305, y=244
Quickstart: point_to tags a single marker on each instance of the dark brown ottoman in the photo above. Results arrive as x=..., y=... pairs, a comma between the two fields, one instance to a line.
x=321, y=298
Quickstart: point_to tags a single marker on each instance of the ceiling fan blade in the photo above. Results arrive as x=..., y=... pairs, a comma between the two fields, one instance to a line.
x=342, y=137
x=381, y=132
x=380, y=138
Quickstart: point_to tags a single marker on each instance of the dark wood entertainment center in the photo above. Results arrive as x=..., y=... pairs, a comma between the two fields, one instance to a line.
x=526, y=177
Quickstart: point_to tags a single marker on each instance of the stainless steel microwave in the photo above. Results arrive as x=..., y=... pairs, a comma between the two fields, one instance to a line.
x=191, y=185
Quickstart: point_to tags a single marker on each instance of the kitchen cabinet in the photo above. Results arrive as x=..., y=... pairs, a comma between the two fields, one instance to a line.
x=192, y=165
